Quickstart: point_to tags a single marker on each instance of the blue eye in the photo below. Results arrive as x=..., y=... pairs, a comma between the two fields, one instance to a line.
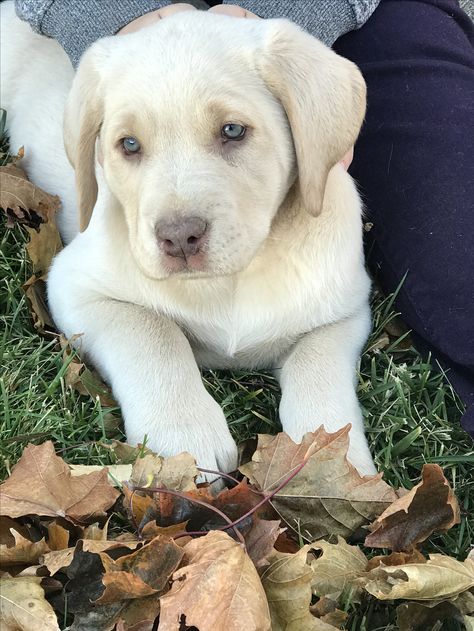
x=130, y=145
x=233, y=131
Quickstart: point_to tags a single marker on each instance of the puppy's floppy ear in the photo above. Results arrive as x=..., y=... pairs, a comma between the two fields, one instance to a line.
x=323, y=95
x=82, y=120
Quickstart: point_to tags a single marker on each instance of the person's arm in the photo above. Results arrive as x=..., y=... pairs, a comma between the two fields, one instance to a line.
x=78, y=24
x=325, y=19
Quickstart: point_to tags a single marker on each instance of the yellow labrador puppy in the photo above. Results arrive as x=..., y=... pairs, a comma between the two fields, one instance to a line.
x=213, y=225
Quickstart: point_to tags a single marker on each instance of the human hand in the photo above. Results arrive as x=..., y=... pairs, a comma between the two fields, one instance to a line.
x=154, y=16
x=233, y=10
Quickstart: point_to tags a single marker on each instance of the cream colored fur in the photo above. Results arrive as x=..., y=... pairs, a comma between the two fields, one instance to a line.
x=282, y=284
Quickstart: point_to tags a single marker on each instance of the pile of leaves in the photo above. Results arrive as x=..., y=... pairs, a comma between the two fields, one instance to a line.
x=268, y=551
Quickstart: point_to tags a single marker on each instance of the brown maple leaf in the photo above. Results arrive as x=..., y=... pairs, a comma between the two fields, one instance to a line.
x=430, y=506
x=41, y=484
x=216, y=562
x=328, y=496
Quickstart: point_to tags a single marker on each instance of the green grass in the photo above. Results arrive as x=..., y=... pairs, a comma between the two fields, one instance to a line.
x=412, y=414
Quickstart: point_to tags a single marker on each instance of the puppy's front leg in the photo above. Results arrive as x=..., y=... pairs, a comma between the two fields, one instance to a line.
x=150, y=365
x=318, y=385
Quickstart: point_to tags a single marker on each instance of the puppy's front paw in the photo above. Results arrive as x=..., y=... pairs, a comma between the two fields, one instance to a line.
x=200, y=430
x=297, y=420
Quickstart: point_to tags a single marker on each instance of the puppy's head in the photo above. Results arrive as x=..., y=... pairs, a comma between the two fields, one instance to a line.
x=203, y=124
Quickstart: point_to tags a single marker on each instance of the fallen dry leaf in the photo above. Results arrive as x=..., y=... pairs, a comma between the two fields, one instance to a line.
x=413, y=616
x=396, y=558
x=327, y=611
x=129, y=615
x=328, y=496
x=287, y=585
x=60, y=559
x=58, y=537
x=117, y=473
x=35, y=291
x=41, y=484
x=218, y=590
x=82, y=379
x=336, y=568
x=23, y=551
x=24, y=607
x=138, y=505
x=125, y=453
x=260, y=539
x=43, y=247
x=35, y=209
x=176, y=472
x=31, y=205
x=429, y=507
x=441, y=577
x=141, y=573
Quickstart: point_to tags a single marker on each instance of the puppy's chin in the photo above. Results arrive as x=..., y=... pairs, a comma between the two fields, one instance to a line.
x=193, y=264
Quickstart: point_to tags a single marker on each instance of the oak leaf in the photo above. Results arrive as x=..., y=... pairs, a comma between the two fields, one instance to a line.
x=287, y=585
x=328, y=496
x=24, y=607
x=216, y=566
x=430, y=506
x=337, y=567
x=441, y=577
x=41, y=484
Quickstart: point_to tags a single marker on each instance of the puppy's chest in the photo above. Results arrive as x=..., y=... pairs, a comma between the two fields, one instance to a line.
x=239, y=324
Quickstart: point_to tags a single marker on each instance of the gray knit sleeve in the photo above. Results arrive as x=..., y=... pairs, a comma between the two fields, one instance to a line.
x=325, y=19
x=76, y=24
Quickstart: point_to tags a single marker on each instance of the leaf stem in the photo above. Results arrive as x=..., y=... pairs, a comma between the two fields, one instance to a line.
x=267, y=498
x=150, y=489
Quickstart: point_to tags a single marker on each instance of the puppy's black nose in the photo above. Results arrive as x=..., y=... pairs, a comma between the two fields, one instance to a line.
x=181, y=238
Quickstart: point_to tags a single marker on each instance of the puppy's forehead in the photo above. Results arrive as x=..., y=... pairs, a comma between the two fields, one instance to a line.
x=190, y=50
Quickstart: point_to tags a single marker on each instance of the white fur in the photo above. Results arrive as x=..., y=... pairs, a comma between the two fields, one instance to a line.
x=278, y=287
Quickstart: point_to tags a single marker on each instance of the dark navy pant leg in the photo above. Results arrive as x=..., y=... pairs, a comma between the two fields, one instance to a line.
x=414, y=163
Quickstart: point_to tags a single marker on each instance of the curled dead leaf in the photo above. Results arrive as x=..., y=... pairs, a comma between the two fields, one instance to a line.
x=430, y=506
x=441, y=577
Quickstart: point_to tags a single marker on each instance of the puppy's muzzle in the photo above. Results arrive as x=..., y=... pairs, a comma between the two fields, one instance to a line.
x=182, y=238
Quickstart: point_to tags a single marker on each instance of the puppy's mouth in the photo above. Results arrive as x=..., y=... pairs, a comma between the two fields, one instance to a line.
x=190, y=264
